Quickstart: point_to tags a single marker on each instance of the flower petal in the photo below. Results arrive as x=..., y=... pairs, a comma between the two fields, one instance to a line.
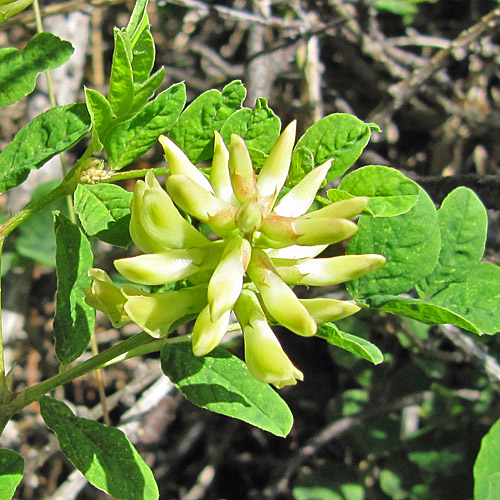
x=157, y=313
x=264, y=355
x=226, y=283
x=345, y=209
x=298, y=200
x=106, y=297
x=156, y=224
x=161, y=268
x=324, y=310
x=180, y=164
x=289, y=230
x=274, y=172
x=219, y=173
x=201, y=204
x=278, y=298
x=207, y=334
x=243, y=177
x=330, y=271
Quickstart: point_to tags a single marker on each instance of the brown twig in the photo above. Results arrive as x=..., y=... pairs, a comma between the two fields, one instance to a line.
x=403, y=91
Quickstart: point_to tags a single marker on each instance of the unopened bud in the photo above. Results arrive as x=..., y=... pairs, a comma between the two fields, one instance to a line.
x=330, y=271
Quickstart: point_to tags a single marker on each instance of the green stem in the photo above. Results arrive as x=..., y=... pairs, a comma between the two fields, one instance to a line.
x=4, y=386
x=37, y=391
x=135, y=174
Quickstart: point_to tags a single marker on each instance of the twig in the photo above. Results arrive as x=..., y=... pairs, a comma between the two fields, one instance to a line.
x=473, y=351
x=332, y=431
x=27, y=16
x=403, y=91
x=238, y=15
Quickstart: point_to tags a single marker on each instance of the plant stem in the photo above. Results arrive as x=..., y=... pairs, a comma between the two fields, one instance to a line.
x=134, y=174
x=4, y=386
x=37, y=391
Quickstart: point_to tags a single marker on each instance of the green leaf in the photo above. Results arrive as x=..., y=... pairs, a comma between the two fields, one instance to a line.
x=128, y=140
x=121, y=85
x=339, y=137
x=398, y=7
x=145, y=91
x=260, y=127
x=487, y=465
x=36, y=239
x=421, y=310
x=410, y=242
x=143, y=56
x=194, y=131
x=11, y=472
x=138, y=21
x=390, y=192
x=463, y=223
x=9, y=8
x=338, y=195
x=351, y=343
x=19, y=70
x=485, y=271
x=328, y=482
x=221, y=382
x=104, y=211
x=103, y=454
x=74, y=318
x=476, y=300
x=100, y=113
x=37, y=142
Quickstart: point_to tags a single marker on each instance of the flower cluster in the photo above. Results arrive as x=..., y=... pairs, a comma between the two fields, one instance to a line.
x=265, y=247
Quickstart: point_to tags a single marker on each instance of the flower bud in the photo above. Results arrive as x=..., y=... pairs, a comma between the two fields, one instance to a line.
x=286, y=231
x=249, y=217
x=106, y=297
x=296, y=252
x=298, y=200
x=264, y=355
x=155, y=223
x=207, y=334
x=158, y=313
x=243, y=177
x=330, y=271
x=202, y=204
x=344, y=209
x=225, y=284
x=278, y=298
x=219, y=173
x=180, y=164
x=274, y=172
x=324, y=310
x=161, y=268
